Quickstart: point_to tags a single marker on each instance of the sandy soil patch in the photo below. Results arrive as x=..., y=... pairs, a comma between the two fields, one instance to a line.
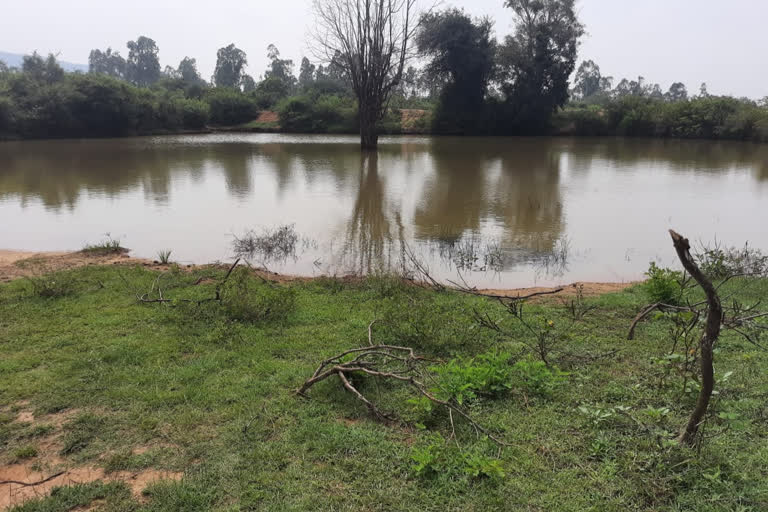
x=268, y=116
x=49, y=469
x=16, y=264
x=589, y=290
x=14, y=494
x=410, y=117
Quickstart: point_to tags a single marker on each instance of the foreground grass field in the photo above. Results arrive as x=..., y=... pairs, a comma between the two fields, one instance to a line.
x=203, y=395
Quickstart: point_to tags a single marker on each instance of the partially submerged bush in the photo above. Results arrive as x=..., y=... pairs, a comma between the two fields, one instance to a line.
x=271, y=245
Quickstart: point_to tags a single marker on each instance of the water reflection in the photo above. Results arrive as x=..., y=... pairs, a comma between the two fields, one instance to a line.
x=528, y=195
x=368, y=236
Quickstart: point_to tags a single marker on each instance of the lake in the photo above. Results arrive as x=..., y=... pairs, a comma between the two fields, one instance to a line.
x=500, y=212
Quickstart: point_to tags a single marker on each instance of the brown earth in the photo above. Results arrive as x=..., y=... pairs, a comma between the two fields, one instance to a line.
x=49, y=463
x=409, y=119
x=17, y=264
x=571, y=290
x=267, y=116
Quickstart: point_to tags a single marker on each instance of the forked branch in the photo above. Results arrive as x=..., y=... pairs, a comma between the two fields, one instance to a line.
x=385, y=362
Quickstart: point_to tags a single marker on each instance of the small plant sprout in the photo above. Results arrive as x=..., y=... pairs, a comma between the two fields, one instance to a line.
x=164, y=256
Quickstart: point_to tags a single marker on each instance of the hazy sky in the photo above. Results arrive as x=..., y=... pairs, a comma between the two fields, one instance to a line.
x=693, y=41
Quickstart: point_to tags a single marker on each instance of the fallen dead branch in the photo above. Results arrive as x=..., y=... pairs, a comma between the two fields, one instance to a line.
x=156, y=289
x=32, y=484
x=386, y=362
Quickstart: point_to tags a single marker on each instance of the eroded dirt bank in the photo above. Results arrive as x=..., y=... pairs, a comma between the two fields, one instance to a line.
x=17, y=264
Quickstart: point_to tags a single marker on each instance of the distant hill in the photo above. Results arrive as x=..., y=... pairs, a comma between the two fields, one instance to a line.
x=14, y=60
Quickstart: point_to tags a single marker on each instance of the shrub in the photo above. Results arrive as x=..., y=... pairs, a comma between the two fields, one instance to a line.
x=296, y=115
x=587, y=120
x=317, y=114
x=107, y=246
x=417, y=320
x=663, y=285
x=195, y=113
x=24, y=452
x=246, y=299
x=52, y=285
x=229, y=107
x=438, y=459
x=536, y=378
x=164, y=256
x=488, y=374
x=6, y=114
x=493, y=374
x=719, y=262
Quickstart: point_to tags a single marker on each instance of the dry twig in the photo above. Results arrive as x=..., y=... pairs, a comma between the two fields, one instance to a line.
x=385, y=362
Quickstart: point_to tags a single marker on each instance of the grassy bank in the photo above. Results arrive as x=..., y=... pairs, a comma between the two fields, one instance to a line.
x=206, y=390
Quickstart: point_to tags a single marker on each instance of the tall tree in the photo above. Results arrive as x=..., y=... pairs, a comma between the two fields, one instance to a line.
x=107, y=62
x=187, y=71
x=588, y=80
x=306, y=72
x=409, y=85
x=230, y=62
x=143, y=65
x=280, y=69
x=677, y=92
x=538, y=59
x=462, y=56
x=43, y=70
x=247, y=83
x=371, y=40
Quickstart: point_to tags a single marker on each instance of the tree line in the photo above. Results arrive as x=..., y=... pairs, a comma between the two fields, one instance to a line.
x=470, y=83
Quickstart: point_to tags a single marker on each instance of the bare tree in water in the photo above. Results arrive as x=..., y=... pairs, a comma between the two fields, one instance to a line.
x=369, y=39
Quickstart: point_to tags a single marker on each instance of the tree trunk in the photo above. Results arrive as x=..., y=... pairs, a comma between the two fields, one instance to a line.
x=369, y=139
x=708, y=338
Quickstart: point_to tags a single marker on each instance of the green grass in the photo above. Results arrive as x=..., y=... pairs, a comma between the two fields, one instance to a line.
x=213, y=398
x=107, y=246
x=257, y=126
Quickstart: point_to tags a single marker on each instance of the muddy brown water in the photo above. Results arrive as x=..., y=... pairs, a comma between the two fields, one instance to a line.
x=505, y=212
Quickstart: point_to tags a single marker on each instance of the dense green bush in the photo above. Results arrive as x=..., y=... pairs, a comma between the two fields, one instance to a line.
x=421, y=321
x=711, y=117
x=228, y=107
x=91, y=105
x=436, y=458
x=195, y=113
x=6, y=115
x=588, y=120
x=663, y=285
x=493, y=374
x=322, y=114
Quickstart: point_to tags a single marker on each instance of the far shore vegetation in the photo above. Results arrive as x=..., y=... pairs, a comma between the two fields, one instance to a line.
x=467, y=83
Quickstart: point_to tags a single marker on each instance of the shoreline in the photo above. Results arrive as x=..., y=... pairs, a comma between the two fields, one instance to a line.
x=17, y=264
